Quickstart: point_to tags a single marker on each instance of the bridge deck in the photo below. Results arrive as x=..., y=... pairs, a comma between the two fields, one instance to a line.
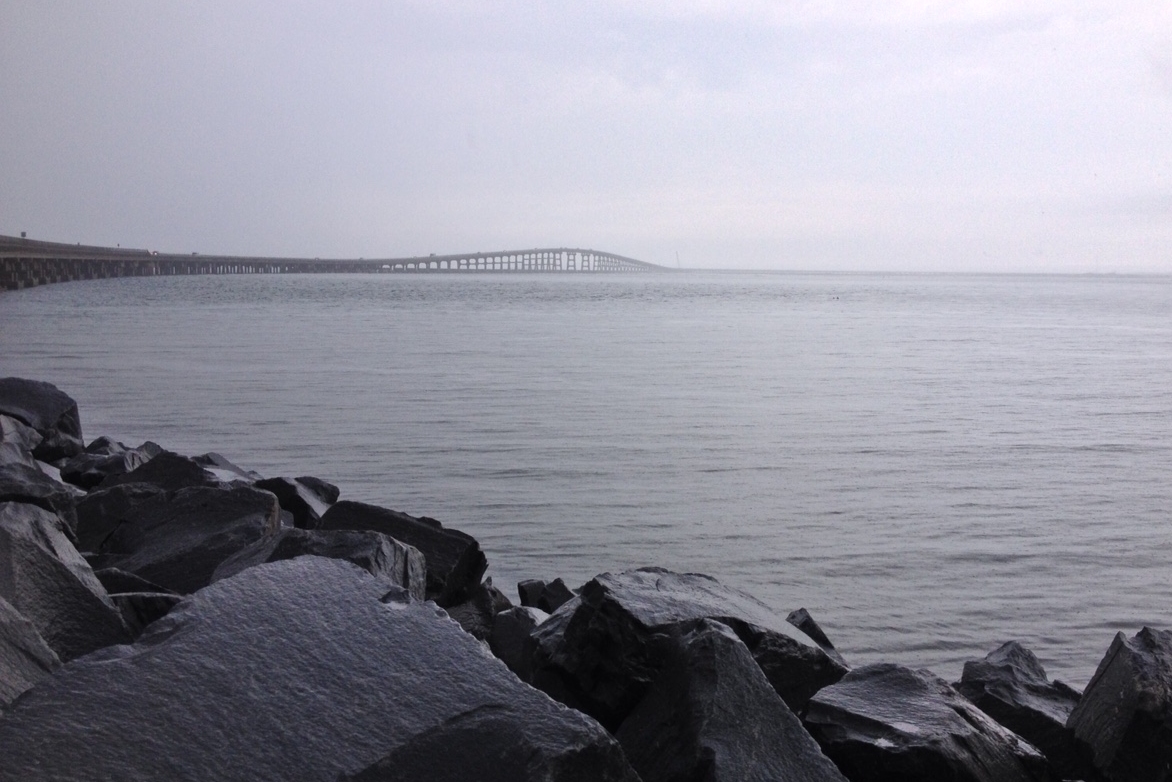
x=26, y=262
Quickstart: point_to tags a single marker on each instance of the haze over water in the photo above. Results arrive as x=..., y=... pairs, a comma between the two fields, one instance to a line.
x=931, y=464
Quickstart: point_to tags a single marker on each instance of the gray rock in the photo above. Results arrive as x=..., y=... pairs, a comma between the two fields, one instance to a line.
x=383, y=557
x=102, y=458
x=47, y=581
x=596, y=653
x=25, y=658
x=478, y=613
x=1010, y=685
x=511, y=639
x=306, y=498
x=228, y=473
x=802, y=620
x=1125, y=714
x=168, y=471
x=48, y=410
x=17, y=441
x=140, y=609
x=119, y=581
x=178, y=539
x=100, y=512
x=297, y=670
x=886, y=723
x=22, y=483
x=548, y=597
x=455, y=562
x=712, y=715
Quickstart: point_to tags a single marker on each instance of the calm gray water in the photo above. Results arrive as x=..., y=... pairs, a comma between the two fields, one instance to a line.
x=930, y=464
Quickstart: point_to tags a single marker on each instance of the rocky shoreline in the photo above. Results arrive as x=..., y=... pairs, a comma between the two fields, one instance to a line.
x=166, y=617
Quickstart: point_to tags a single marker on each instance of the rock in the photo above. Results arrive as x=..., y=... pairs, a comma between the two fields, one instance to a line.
x=383, y=557
x=119, y=581
x=140, y=609
x=227, y=472
x=48, y=582
x=48, y=410
x=1010, y=686
x=455, y=562
x=596, y=653
x=802, y=620
x=168, y=471
x=100, y=512
x=178, y=539
x=102, y=458
x=17, y=442
x=711, y=714
x=511, y=638
x=327, y=491
x=22, y=483
x=25, y=658
x=478, y=613
x=548, y=597
x=298, y=670
x=887, y=723
x=1125, y=714
x=306, y=498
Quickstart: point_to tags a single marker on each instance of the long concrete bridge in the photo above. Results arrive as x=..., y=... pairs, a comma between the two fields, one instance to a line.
x=28, y=262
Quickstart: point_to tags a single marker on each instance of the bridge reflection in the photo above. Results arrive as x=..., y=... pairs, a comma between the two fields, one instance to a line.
x=25, y=262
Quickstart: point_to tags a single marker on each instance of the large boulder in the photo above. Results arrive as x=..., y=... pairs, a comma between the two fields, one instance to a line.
x=168, y=471
x=547, y=596
x=711, y=714
x=477, y=615
x=101, y=512
x=44, y=578
x=383, y=557
x=597, y=652
x=48, y=410
x=306, y=498
x=227, y=472
x=21, y=483
x=1125, y=714
x=305, y=669
x=1010, y=685
x=511, y=638
x=178, y=539
x=18, y=440
x=455, y=562
x=25, y=658
x=887, y=723
x=105, y=457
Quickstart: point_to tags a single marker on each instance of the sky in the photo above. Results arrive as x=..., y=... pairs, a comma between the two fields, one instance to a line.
x=909, y=135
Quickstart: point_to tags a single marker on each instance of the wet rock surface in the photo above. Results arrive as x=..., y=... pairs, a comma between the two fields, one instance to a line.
x=306, y=498
x=104, y=458
x=887, y=723
x=598, y=653
x=21, y=483
x=455, y=562
x=692, y=722
x=25, y=658
x=299, y=670
x=1010, y=685
x=101, y=511
x=44, y=578
x=48, y=410
x=383, y=557
x=178, y=539
x=548, y=597
x=1125, y=715
x=168, y=471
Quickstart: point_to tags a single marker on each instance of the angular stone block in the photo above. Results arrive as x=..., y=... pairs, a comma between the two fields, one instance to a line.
x=300, y=670
x=887, y=723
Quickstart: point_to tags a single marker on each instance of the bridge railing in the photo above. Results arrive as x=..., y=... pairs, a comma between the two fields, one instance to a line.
x=24, y=263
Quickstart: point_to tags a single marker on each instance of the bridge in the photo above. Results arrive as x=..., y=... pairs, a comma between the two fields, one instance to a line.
x=27, y=262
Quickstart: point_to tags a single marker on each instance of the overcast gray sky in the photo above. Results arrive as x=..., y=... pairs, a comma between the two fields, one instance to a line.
x=903, y=135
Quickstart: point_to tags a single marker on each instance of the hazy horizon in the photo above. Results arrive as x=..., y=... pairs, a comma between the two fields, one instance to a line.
x=922, y=136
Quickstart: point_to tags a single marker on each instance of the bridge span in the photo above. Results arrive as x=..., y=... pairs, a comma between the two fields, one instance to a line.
x=27, y=262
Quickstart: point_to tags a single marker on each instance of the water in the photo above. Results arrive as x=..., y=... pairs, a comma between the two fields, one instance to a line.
x=930, y=464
